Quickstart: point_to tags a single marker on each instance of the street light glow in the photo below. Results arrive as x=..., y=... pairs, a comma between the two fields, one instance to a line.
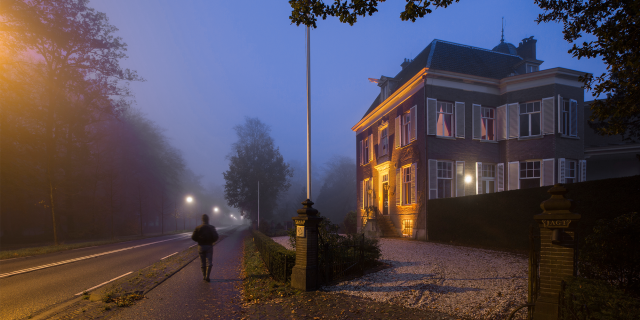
x=215, y=209
x=189, y=199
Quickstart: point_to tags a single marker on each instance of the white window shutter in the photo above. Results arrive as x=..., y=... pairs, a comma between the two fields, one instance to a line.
x=433, y=179
x=501, y=117
x=514, y=175
x=398, y=130
x=583, y=170
x=560, y=115
x=548, y=116
x=459, y=178
x=414, y=180
x=478, y=177
x=460, y=106
x=361, y=152
x=371, y=147
x=573, y=116
x=477, y=122
x=432, y=116
x=398, y=187
x=500, y=177
x=514, y=118
x=561, y=164
x=414, y=122
x=548, y=176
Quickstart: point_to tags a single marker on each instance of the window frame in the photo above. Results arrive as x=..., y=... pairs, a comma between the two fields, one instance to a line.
x=484, y=120
x=368, y=198
x=365, y=150
x=529, y=118
x=439, y=177
x=440, y=127
x=566, y=117
x=383, y=140
x=406, y=184
x=407, y=228
x=567, y=170
x=486, y=179
x=405, y=130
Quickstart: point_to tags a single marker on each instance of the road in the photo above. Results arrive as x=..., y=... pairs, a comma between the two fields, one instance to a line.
x=55, y=280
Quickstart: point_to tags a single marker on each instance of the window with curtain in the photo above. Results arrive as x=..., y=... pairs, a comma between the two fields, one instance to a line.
x=444, y=123
x=488, y=129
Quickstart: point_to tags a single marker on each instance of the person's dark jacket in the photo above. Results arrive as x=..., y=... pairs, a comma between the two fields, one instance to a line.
x=205, y=235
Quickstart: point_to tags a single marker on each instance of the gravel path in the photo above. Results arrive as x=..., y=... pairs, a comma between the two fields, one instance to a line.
x=464, y=282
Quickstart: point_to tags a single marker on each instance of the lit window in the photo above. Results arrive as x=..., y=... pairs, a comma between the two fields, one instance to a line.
x=407, y=228
x=445, y=176
x=530, y=119
x=444, y=123
x=488, y=124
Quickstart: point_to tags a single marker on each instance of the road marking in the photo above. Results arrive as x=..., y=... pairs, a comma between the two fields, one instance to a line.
x=193, y=245
x=13, y=273
x=82, y=248
x=102, y=284
x=169, y=256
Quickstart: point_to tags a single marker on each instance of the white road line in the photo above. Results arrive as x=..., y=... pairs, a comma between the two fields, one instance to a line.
x=169, y=256
x=102, y=284
x=193, y=245
x=82, y=248
x=13, y=273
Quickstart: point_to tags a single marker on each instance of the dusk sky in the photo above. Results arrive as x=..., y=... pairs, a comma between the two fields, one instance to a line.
x=208, y=64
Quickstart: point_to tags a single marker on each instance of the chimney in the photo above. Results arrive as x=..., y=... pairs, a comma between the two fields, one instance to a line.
x=527, y=48
x=405, y=63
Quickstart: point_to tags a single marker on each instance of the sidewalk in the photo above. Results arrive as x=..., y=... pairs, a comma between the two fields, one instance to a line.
x=186, y=296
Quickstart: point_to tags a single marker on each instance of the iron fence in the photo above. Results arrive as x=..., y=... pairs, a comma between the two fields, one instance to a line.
x=345, y=257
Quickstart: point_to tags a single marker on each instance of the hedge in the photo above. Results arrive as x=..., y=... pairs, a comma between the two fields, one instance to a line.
x=502, y=219
x=277, y=258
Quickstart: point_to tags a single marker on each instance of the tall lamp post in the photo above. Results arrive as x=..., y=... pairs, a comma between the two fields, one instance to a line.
x=304, y=275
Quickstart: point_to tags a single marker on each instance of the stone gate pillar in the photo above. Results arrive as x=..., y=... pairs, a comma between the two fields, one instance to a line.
x=305, y=272
x=557, y=244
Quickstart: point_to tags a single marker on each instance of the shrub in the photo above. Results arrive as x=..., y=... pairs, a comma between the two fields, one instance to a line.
x=596, y=299
x=612, y=253
x=277, y=258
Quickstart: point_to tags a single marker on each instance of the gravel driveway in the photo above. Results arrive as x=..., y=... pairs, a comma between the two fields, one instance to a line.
x=461, y=281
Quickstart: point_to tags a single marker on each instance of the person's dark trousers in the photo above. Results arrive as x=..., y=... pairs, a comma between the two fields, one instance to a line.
x=206, y=255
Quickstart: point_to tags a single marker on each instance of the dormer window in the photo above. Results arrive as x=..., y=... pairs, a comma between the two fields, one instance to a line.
x=384, y=91
x=532, y=68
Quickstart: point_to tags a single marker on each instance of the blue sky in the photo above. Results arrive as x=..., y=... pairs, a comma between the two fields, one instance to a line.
x=208, y=64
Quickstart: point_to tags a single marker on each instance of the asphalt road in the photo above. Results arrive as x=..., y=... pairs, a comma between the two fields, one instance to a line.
x=24, y=292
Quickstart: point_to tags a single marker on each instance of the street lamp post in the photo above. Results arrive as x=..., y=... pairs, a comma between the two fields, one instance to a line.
x=189, y=200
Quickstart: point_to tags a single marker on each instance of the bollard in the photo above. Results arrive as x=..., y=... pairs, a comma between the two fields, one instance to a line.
x=305, y=270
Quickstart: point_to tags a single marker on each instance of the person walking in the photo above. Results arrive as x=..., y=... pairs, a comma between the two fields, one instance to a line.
x=205, y=235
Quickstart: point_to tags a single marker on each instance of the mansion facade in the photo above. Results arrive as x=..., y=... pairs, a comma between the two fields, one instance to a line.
x=459, y=120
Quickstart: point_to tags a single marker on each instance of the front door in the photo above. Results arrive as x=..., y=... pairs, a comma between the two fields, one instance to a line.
x=385, y=198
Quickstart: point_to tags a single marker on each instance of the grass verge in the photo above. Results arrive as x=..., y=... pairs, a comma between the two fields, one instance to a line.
x=265, y=298
x=26, y=252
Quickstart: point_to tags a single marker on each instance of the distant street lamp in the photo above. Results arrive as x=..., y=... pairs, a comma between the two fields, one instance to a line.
x=189, y=200
x=215, y=209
